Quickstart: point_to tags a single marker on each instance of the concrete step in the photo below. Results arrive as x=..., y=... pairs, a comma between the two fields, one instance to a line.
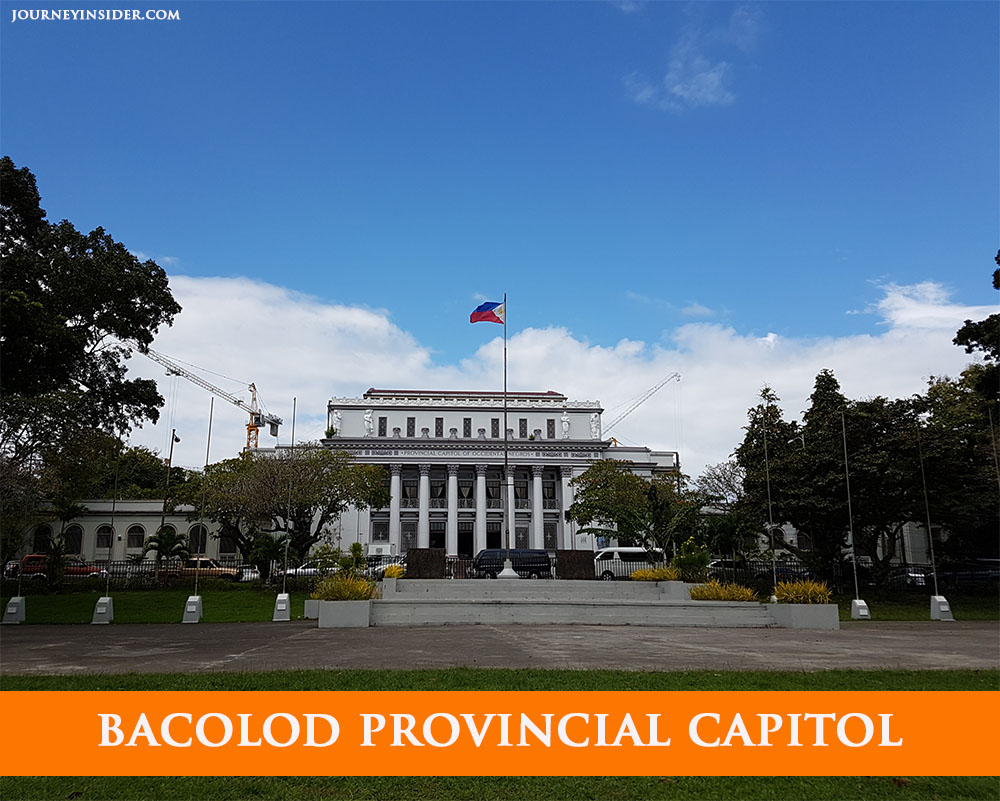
x=416, y=612
x=537, y=589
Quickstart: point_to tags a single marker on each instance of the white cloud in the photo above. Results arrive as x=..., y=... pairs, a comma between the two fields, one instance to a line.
x=697, y=310
x=294, y=345
x=696, y=74
x=629, y=6
x=163, y=261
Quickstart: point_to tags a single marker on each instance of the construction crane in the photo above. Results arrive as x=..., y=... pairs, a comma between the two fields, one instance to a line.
x=637, y=402
x=257, y=416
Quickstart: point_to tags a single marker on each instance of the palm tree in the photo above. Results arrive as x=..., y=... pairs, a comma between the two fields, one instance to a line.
x=169, y=545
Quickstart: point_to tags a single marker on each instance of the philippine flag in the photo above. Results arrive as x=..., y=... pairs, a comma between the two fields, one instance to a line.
x=488, y=313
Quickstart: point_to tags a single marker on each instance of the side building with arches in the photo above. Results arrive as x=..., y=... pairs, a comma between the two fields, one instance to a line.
x=112, y=532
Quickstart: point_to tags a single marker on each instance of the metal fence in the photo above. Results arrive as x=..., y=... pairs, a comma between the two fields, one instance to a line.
x=756, y=573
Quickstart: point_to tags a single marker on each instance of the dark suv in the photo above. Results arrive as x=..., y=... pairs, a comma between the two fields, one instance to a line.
x=527, y=563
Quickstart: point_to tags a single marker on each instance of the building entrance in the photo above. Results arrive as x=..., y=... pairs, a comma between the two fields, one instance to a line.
x=494, y=536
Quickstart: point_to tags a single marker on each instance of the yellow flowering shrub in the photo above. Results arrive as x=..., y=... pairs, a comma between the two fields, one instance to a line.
x=714, y=591
x=662, y=573
x=802, y=592
x=345, y=586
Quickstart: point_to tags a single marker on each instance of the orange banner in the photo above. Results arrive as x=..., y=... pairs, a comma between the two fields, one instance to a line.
x=499, y=733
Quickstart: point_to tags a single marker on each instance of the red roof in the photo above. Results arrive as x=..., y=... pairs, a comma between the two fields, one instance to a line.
x=441, y=393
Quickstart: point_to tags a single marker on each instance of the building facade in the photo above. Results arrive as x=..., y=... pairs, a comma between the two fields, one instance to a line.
x=444, y=453
x=113, y=531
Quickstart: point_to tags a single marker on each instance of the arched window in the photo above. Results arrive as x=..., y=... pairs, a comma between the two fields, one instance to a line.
x=40, y=542
x=198, y=537
x=104, y=535
x=136, y=537
x=73, y=539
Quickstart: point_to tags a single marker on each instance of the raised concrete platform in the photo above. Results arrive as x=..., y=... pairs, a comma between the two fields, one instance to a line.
x=412, y=602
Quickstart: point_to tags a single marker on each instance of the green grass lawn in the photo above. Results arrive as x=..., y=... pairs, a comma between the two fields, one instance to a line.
x=220, y=604
x=917, y=606
x=228, y=603
x=465, y=678
x=667, y=788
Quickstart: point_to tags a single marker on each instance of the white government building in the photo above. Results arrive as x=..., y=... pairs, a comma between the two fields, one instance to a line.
x=444, y=453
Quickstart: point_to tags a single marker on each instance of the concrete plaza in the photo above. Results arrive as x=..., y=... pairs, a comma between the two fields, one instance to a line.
x=241, y=647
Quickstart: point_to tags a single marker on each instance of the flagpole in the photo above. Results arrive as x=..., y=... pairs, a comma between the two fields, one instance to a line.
x=508, y=571
x=505, y=466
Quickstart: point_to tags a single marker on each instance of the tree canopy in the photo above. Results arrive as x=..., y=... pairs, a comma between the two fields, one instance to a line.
x=299, y=493
x=657, y=512
x=71, y=307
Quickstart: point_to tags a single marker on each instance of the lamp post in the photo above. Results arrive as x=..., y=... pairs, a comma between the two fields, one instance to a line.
x=940, y=608
x=859, y=609
x=282, y=604
x=770, y=514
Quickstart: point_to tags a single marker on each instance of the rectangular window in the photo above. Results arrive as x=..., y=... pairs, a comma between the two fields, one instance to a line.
x=520, y=536
x=74, y=540
x=495, y=428
x=550, y=429
x=382, y=423
x=380, y=530
x=408, y=535
x=549, y=534
x=411, y=426
x=467, y=427
x=522, y=428
x=438, y=426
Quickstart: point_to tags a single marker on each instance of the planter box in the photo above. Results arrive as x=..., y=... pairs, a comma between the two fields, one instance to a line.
x=312, y=609
x=345, y=614
x=805, y=616
x=675, y=590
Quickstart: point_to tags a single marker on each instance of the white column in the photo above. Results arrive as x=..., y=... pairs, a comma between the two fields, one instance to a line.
x=423, y=514
x=568, y=528
x=509, y=530
x=537, y=529
x=452, y=531
x=480, y=507
x=395, y=491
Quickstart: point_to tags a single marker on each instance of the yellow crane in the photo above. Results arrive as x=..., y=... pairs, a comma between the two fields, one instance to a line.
x=258, y=417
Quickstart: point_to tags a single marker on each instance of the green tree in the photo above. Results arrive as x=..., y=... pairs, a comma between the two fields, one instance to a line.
x=727, y=526
x=168, y=544
x=611, y=496
x=763, y=458
x=672, y=513
x=302, y=491
x=298, y=493
x=226, y=495
x=983, y=336
x=958, y=448
x=71, y=305
x=657, y=512
x=266, y=550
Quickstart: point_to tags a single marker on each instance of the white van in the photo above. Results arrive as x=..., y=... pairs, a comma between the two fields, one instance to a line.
x=620, y=562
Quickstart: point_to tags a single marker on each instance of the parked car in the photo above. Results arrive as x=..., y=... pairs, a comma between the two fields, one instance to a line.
x=205, y=568
x=621, y=562
x=306, y=569
x=35, y=566
x=981, y=574
x=249, y=573
x=378, y=564
x=526, y=562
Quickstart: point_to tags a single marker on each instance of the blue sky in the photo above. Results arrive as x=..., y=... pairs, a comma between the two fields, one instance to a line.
x=638, y=177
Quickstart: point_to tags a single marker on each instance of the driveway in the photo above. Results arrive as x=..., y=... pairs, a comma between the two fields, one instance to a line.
x=210, y=647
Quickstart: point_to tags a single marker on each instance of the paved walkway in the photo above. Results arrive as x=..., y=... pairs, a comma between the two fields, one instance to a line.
x=209, y=647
